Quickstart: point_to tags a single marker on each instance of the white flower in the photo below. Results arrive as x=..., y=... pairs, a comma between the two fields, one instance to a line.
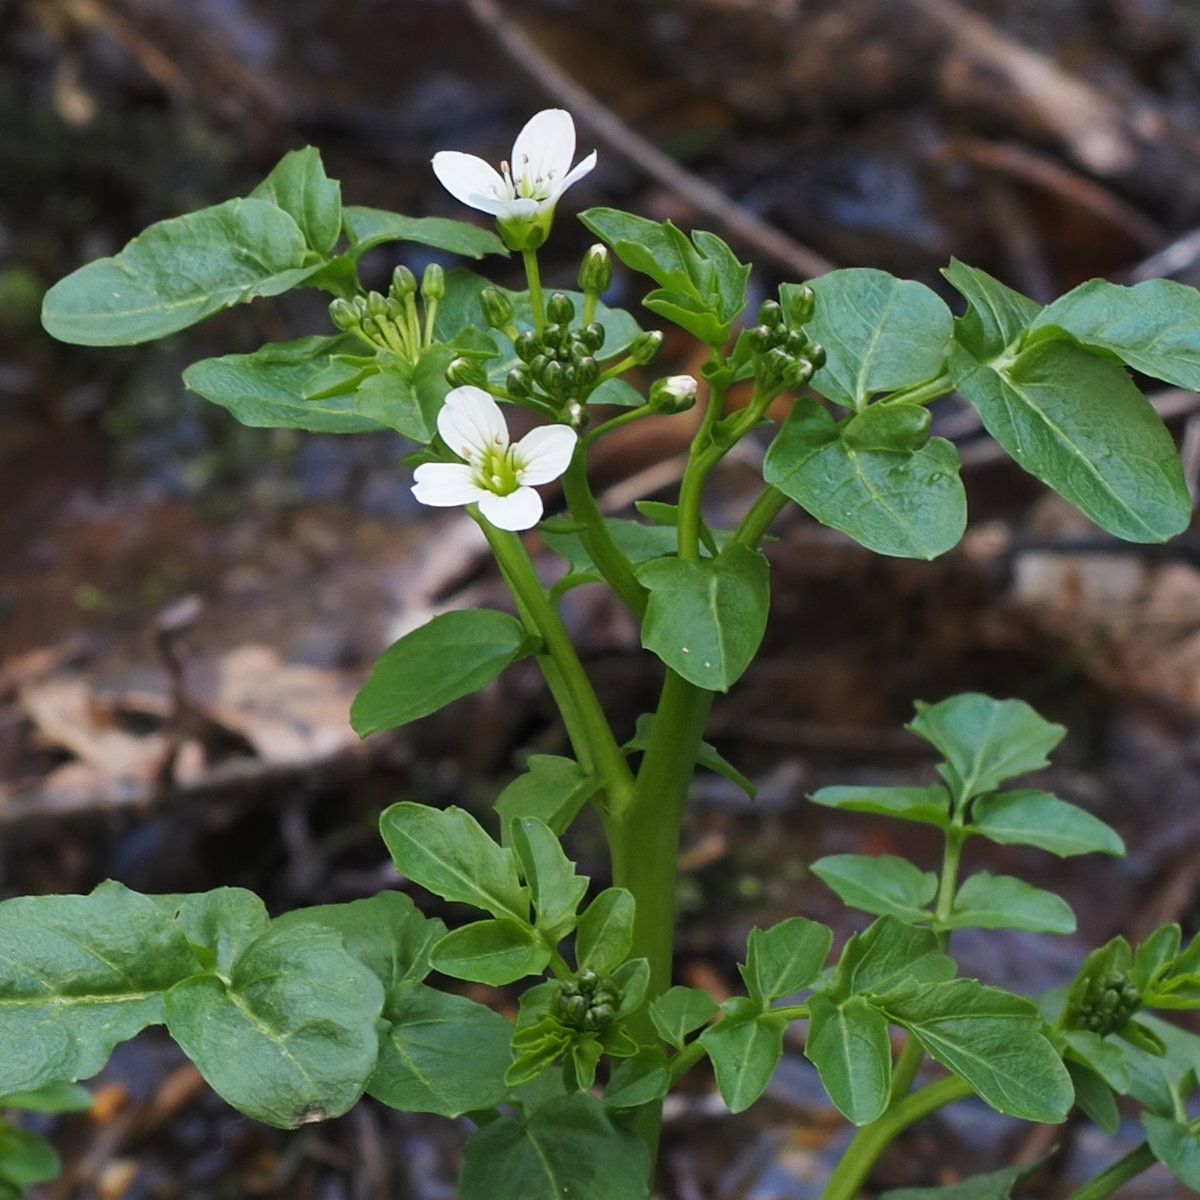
x=496, y=475
x=523, y=193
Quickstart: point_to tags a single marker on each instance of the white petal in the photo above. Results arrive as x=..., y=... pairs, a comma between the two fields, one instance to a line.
x=444, y=485
x=469, y=179
x=545, y=453
x=577, y=172
x=471, y=423
x=518, y=510
x=544, y=148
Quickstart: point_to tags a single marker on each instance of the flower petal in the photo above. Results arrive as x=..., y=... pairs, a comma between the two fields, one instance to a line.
x=444, y=485
x=470, y=180
x=518, y=510
x=544, y=149
x=577, y=172
x=544, y=453
x=471, y=423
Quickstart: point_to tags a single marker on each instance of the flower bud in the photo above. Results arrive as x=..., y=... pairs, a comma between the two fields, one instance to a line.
x=377, y=307
x=816, y=355
x=646, y=346
x=674, y=394
x=517, y=383
x=559, y=309
x=595, y=272
x=592, y=335
x=554, y=336
x=404, y=283
x=554, y=378
x=497, y=308
x=463, y=371
x=770, y=313
x=433, y=282
x=587, y=369
x=343, y=314
x=760, y=338
x=800, y=306
x=774, y=365
x=527, y=345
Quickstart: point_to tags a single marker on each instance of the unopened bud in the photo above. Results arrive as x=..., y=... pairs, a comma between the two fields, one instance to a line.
x=554, y=336
x=554, y=378
x=433, y=282
x=674, y=394
x=527, y=345
x=343, y=314
x=517, y=383
x=801, y=305
x=587, y=369
x=464, y=371
x=559, y=309
x=595, y=272
x=646, y=346
x=759, y=338
x=497, y=308
x=377, y=306
x=404, y=283
x=592, y=336
x=816, y=355
x=770, y=313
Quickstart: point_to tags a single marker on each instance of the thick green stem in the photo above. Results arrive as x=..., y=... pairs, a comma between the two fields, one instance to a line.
x=922, y=393
x=1121, y=1172
x=587, y=717
x=754, y=525
x=871, y=1140
x=598, y=542
x=533, y=277
x=907, y=1065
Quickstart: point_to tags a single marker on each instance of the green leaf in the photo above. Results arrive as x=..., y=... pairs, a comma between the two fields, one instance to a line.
x=605, y=931
x=631, y=979
x=220, y=924
x=471, y=647
x=78, y=974
x=880, y=333
x=178, y=272
x=995, y=1185
x=1095, y=1098
x=1107, y=1058
x=1153, y=326
x=997, y=315
x=1078, y=423
x=705, y=619
x=888, y=954
x=882, y=884
x=707, y=757
x=57, y=1097
x=929, y=805
x=290, y=1036
x=497, y=952
x=848, y=1044
x=785, y=958
x=368, y=227
x=745, y=1048
x=555, y=888
x=680, y=1010
x=1027, y=817
x=441, y=1053
x=990, y=1038
x=1176, y=1146
x=447, y=852
x=299, y=186
x=284, y=385
x=894, y=428
x=405, y=396
x=909, y=505
x=987, y=901
x=552, y=789
x=567, y=1147
x=26, y=1159
x=386, y=932
x=984, y=741
x=640, y=1079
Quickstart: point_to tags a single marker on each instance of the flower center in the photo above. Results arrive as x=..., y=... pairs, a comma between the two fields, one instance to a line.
x=527, y=186
x=498, y=470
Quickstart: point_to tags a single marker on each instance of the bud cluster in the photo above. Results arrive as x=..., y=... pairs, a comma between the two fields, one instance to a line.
x=560, y=361
x=588, y=1003
x=393, y=322
x=783, y=354
x=1109, y=1001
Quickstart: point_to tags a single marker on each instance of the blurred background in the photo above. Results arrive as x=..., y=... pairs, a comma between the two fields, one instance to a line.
x=187, y=607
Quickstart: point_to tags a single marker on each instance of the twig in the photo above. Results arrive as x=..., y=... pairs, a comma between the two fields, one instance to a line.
x=606, y=125
x=1094, y=129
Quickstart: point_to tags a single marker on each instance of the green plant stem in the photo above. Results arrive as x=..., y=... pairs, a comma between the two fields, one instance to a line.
x=908, y=1063
x=633, y=414
x=533, y=277
x=1122, y=1171
x=754, y=525
x=871, y=1140
x=948, y=882
x=587, y=717
x=604, y=552
x=922, y=393
x=685, y=1060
